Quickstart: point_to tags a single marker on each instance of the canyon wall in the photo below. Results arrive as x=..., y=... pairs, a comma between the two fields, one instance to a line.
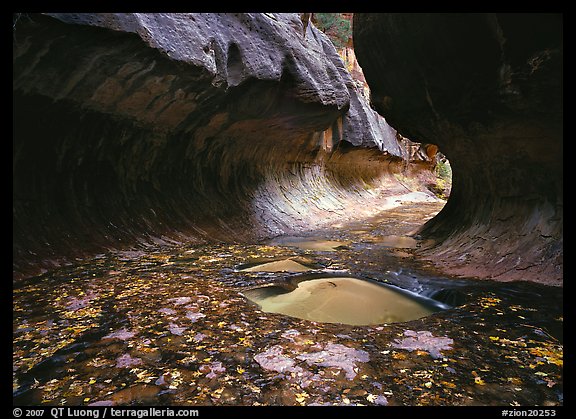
x=487, y=89
x=143, y=129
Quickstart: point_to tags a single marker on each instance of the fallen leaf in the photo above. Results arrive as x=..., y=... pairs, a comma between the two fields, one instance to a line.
x=448, y=384
x=301, y=397
x=550, y=383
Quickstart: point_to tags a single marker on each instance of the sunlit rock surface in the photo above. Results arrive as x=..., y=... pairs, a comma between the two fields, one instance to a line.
x=132, y=130
x=487, y=89
x=286, y=265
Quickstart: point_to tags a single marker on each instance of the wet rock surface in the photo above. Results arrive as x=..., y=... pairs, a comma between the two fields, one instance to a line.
x=487, y=89
x=168, y=326
x=159, y=128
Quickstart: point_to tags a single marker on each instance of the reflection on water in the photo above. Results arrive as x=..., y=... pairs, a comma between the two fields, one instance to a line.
x=311, y=243
x=168, y=326
x=341, y=300
x=397, y=241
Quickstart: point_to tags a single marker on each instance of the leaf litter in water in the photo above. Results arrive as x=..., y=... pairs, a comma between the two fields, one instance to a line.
x=307, y=364
x=125, y=361
x=424, y=341
x=122, y=334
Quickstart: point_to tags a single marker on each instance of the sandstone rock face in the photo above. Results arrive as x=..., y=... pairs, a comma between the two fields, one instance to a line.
x=487, y=89
x=152, y=128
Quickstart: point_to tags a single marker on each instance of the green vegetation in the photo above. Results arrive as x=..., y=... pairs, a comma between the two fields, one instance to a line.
x=338, y=29
x=443, y=173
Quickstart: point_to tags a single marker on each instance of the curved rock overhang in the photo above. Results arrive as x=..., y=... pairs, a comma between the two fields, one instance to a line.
x=487, y=89
x=139, y=129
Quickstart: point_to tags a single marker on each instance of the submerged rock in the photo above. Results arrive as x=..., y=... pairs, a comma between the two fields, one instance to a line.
x=126, y=361
x=167, y=311
x=142, y=393
x=176, y=330
x=194, y=316
x=286, y=265
x=338, y=356
x=333, y=355
x=273, y=359
x=122, y=334
x=178, y=301
x=424, y=341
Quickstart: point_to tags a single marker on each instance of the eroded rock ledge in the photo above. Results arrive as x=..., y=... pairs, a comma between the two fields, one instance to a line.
x=134, y=129
x=487, y=89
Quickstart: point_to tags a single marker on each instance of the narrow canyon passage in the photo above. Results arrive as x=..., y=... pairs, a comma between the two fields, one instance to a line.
x=202, y=204
x=171, y=326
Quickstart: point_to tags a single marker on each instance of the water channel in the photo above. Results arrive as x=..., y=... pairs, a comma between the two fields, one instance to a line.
x=187, y=325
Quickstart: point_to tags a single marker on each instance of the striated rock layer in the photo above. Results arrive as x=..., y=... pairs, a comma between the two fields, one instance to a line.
x=487, y=89
x=134, y=129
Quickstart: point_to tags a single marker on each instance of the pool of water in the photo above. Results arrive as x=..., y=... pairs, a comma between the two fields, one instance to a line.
x=171, y=326
x=345, y=300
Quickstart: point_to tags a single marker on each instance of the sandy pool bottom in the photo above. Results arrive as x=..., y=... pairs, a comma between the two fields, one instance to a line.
x=341, y=300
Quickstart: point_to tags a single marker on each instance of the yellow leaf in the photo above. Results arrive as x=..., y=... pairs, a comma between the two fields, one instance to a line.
x=87, y=399
x=479, y=381
x=301, y=397
x=448, y=384
x=495, y=338
x=428, y=384
x=240, y=369
x=92, y=381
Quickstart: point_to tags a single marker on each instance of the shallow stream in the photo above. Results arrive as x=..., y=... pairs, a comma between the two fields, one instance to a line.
x=172, y=326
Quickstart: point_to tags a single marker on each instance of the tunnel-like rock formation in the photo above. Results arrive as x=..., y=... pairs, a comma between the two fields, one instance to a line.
x=487, y=89
x=139, y=129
